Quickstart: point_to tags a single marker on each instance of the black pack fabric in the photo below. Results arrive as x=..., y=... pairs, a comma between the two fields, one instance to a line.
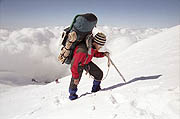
x=83, y=25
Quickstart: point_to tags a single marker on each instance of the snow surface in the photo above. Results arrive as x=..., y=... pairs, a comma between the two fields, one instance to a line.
x=151, y=68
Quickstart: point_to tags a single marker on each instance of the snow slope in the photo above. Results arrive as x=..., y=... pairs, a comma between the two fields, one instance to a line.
x=151, y=68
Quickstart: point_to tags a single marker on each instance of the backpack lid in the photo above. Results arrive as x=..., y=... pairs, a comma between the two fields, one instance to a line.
x=84, y=23
x=89, y=16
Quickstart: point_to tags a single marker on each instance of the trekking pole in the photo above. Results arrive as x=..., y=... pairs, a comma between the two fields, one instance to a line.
x=116, y=69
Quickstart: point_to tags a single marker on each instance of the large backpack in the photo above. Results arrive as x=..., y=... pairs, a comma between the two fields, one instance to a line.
x=80, y=28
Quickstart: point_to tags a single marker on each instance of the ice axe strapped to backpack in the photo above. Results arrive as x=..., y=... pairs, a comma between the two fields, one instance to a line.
x=81, y=26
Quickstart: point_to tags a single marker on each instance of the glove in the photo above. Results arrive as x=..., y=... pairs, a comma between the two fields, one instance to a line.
x=106, y=54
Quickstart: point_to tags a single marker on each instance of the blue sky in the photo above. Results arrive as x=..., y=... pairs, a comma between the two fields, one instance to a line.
x=121, y=13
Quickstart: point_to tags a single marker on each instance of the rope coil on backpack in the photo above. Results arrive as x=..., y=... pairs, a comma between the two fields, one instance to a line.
x=66, y=48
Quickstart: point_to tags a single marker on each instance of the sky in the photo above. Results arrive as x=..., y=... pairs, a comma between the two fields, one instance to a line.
x=121, y=13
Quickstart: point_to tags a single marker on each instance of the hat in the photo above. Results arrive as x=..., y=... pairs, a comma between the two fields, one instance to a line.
x=100, y=39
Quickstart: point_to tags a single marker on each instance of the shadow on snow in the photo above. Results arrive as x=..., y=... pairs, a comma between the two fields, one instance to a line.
x=131, y=81
x=142, y=78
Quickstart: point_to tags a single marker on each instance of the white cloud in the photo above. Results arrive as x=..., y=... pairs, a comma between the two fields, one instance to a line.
x=31, y=52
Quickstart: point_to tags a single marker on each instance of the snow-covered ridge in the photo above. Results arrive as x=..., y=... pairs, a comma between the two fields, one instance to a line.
x=31, y=53
x=151, y=68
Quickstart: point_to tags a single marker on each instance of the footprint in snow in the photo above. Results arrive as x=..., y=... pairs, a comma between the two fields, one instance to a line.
x=113, y=99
